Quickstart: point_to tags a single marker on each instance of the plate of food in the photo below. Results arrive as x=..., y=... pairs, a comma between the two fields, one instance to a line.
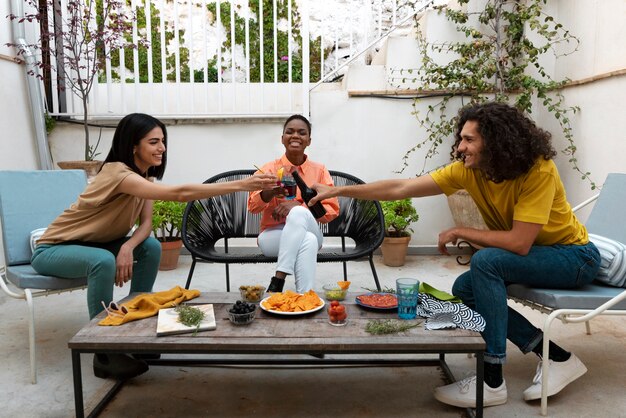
x=292, y=303
x=383, y=301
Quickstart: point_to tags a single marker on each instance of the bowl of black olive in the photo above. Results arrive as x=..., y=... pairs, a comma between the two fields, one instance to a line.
x=242, y=313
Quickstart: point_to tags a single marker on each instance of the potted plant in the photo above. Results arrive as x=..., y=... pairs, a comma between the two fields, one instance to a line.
x=167, y=221
x=399, y=214
x=76, y=40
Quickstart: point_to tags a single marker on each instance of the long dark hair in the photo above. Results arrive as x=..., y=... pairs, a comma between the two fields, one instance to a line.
x=131, y=129
x=300, y=117
x=512, y=142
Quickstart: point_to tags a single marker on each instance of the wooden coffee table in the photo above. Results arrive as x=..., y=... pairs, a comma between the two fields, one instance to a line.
x=276, y=334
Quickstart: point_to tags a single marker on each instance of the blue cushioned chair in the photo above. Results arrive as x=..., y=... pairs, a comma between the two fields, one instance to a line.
x=31, y=200
x=581, y=305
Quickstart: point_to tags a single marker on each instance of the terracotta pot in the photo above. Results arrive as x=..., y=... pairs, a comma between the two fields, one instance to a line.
x=90, y=167
x=170, y=250
x=394, y=250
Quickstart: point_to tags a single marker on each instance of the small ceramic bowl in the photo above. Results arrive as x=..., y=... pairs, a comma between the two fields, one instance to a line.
x=334, y=292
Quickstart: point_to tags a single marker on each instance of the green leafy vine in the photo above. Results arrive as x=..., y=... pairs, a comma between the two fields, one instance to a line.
x=499, y=59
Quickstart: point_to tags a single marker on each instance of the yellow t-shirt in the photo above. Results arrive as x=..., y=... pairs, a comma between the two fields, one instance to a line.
x=535, y=197
x=100, y=214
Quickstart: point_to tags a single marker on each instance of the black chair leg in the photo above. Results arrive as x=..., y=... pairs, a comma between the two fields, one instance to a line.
x=345, y=264
x=371, y=258
x=190, y=275
x=227, y=278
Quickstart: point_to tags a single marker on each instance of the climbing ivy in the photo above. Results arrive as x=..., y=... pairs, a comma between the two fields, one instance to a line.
x=499, y=59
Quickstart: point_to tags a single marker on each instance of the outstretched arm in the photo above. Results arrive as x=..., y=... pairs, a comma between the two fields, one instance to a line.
x=136, y=185
x=381, y=190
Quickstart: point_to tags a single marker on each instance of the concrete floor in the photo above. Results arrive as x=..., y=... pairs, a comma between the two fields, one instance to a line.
x=290, y=392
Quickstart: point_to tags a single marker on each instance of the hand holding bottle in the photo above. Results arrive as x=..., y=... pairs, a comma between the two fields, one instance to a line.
x=307, y=194
x=323, y=192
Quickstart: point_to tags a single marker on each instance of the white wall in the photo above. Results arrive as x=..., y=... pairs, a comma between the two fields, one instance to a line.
x=367, y=137
x=18, y=144
x=597, y=128
x=17, y=139
x=195, y=151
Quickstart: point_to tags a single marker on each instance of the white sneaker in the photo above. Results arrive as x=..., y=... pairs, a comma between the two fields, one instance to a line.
x=463, y=394
x=561, y=374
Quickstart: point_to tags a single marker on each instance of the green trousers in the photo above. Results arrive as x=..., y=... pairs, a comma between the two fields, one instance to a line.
x=96, y=261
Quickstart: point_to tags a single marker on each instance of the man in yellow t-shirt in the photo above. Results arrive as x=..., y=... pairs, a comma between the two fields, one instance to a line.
x=505, y=163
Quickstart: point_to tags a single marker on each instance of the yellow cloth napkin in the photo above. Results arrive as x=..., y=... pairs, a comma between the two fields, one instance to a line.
x=148, y=304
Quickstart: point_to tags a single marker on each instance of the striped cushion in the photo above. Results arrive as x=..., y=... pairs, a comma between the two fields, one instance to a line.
x=613, y=260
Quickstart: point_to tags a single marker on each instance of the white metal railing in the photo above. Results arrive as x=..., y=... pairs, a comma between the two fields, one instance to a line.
x=233, y=58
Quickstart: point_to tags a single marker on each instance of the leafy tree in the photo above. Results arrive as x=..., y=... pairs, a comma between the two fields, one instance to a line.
x=84, y=35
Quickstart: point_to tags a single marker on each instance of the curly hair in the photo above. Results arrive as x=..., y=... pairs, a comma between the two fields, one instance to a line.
x=512, y=142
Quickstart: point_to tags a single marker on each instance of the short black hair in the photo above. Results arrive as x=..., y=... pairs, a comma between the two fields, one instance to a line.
x=300, y=117
x=131, y=129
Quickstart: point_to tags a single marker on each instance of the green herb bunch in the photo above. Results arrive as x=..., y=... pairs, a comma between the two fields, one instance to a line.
x=384, y=290
x=190, y=316
x=388, y=326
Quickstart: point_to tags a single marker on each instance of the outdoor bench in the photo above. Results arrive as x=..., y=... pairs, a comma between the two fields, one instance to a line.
x=359, y=228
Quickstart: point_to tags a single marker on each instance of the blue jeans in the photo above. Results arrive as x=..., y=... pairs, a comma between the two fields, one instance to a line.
x=96, y=261
x=483, y=288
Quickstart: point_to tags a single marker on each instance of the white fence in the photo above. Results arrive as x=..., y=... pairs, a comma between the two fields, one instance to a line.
x=191, y=68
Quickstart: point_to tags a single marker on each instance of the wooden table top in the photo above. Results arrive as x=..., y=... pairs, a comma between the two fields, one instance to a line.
x=275, y=334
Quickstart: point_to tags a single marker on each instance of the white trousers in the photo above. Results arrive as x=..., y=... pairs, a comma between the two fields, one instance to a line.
x=296, y=243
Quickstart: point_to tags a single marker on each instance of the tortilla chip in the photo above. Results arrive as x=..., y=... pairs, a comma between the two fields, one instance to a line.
x=290, y=301
x=344, y=285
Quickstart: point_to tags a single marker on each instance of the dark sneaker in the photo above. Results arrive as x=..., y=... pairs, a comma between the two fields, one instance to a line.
x=117, y=366
x=276, y=285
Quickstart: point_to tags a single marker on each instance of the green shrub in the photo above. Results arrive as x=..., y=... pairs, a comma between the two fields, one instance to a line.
x=167, y=220
x=399, y=214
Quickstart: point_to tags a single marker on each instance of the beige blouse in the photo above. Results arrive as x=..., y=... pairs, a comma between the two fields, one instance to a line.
x=101, y=214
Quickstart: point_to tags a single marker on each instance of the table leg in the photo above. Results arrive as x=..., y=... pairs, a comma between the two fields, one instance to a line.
x=78, y=385
x=480, y=379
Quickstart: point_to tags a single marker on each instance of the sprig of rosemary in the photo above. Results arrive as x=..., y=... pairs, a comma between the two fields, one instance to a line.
x=190, y=316
x=388, y=326
x=384, y=290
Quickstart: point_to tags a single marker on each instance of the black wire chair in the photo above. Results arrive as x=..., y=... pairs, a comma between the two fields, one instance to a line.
x=207, y=221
